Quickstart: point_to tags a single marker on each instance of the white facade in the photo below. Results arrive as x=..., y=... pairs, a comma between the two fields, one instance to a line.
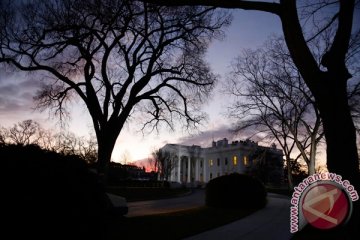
x=221, y=158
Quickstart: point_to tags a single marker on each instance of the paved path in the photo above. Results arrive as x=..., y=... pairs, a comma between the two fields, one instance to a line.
x=196, y=199
x=272, y=222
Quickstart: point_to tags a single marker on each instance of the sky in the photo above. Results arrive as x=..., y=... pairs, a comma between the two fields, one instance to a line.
x=249, y=29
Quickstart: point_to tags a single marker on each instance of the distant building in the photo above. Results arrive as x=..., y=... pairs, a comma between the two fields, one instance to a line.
x=194, y=165
x=119, y=173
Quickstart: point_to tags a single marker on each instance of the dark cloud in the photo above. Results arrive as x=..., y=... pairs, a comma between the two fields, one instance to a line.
x=28, y=96
x=31, y=83
x=10, y=106
x=16, y=92
x=9, y=90
x=205, y=138
x=6, y=72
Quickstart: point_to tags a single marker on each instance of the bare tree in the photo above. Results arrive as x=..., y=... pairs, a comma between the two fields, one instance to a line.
x=271, y=95
x=165, y=162
x=46, y=139
x=126, y=157
x=123, y=59
x=327, y=81
x=3, y=133
x=30, y=132
x=68, y=143
x=24, y=133
x=89, y=149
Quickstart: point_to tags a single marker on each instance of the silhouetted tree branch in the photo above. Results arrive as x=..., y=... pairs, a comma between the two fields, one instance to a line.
x=123, y=59
x=24, y=133
x=327, y=81
x=29, y=132
x=164, y=162
x=271, y=95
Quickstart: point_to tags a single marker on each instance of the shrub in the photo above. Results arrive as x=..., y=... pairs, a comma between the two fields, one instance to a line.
x=235, y=191
x=50, y=196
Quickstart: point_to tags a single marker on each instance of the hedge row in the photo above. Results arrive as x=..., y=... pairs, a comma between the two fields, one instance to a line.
x=235, y=191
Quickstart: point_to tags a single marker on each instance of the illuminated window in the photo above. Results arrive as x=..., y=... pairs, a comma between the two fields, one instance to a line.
x=246, y=161
x=235, y=160
x=211, y=162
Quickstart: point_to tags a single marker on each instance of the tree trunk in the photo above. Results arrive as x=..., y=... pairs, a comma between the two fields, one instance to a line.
x=329, y=89
x=311, y=165
x=289, y=173
x=312, y=157
x=106, y=143
x=340, y=133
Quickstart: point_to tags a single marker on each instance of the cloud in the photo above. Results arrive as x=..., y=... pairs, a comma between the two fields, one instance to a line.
x=9, y=90
x=205, y=138
x=16, y=92
x=6, y=106
x=32, y=83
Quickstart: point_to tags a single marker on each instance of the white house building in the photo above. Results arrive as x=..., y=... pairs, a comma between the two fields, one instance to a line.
x=194, y=165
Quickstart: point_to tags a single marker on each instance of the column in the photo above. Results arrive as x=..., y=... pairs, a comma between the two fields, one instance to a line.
x=204, y=168
x=189, y=168
x=179, y=169
x=197, y=169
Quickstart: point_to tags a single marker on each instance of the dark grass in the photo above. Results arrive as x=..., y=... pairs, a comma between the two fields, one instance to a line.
x=282, y=191
x=142, y=194
x=176, y=225
x=348, y=231
x=311, y=233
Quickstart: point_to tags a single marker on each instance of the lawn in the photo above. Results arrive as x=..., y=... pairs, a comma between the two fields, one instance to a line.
x=279, y=190
x=175, y=225
x=141, y=194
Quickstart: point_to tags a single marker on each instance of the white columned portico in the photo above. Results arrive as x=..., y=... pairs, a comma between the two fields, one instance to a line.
x=179, y=170
x=197, y=169
x=204, y=167
x=189, y=170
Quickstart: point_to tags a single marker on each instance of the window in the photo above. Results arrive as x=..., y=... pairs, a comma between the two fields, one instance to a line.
x=201, y=163
x=226, y=161
x=218, y=161
x=254, y=161
x=210, y=176
x=211, y=162
x=246, y=161
x=235, y=160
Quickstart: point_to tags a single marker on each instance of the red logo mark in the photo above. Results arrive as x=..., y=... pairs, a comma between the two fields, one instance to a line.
x=325, y=206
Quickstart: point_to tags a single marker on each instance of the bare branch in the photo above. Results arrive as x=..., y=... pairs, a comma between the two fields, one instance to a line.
x=232, y=4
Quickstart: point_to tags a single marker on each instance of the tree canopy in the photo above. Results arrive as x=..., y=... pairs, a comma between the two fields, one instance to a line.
x=123, y=59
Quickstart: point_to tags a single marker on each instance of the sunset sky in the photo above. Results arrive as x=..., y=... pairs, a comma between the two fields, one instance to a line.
x=248, y=30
